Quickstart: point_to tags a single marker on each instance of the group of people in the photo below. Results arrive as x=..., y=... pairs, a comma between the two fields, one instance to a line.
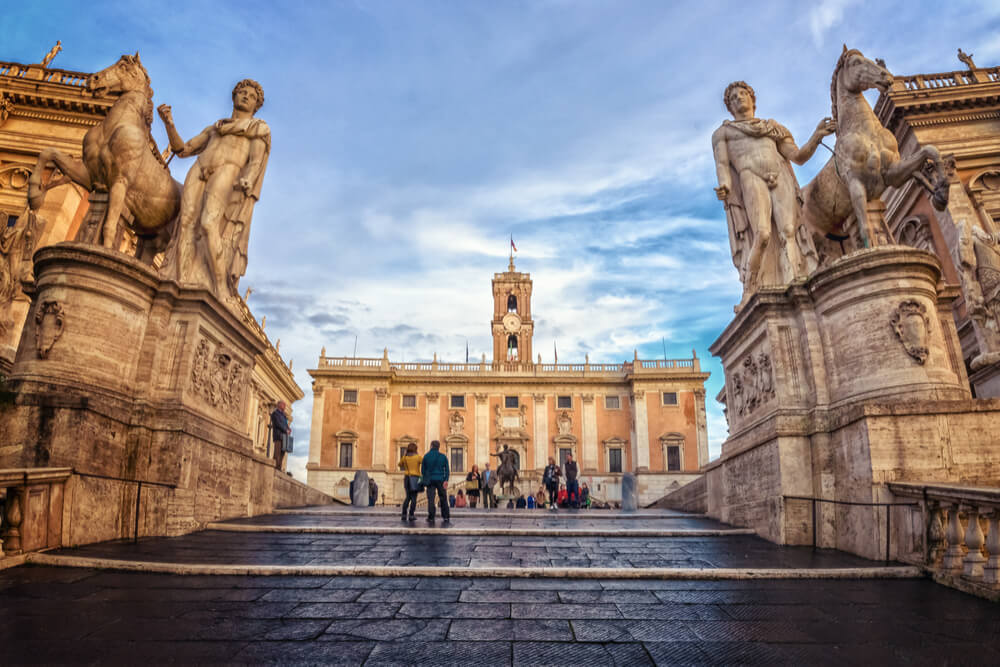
x=431, y=473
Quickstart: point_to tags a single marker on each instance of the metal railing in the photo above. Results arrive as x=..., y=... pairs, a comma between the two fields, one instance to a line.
x=888, y=514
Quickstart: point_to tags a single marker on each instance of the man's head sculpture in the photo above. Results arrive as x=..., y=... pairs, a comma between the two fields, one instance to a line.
x=733, y=86
x=250, y=83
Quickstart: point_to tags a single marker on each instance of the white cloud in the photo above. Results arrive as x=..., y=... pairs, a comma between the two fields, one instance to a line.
x=825, y=15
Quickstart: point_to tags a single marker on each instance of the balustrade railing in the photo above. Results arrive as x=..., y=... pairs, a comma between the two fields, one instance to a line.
x=39, y=73
x=947, y=79
x=961, y=530
x=405, y=367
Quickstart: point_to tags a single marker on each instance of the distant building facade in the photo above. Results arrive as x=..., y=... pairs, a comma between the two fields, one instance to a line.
x=645, y=416
x=959, y=113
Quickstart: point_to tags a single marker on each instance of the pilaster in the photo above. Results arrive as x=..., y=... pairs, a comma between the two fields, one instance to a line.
x=482, y=429
x=589, y=433
x=541, y=431
x=380, y=444
x=432, y=420
x=316, y=429
x=641, y=432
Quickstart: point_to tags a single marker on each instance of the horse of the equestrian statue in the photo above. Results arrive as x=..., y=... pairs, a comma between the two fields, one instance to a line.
x=507, y=470
x=866, y=160
x=119, y=157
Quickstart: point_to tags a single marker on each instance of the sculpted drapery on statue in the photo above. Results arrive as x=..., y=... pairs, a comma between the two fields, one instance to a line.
x=220, y=191
x=761, y=194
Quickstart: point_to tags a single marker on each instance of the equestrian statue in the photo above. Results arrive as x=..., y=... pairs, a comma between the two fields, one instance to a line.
x=507, y=471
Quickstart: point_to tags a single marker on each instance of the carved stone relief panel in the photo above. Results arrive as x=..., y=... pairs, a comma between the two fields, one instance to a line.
x=218, y=376
x=912, y=326
x=48, y=326
x=752, y=383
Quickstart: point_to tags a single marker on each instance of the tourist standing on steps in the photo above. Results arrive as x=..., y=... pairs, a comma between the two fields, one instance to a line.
x=550, y=478
x=572, y=485
x=489, y=481
x=279, y=432
x=410, y=465
x=434, y=472
x=473, y=481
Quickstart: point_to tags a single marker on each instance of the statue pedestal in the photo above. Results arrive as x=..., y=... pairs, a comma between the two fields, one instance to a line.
x=124, y=377
x=836, y=385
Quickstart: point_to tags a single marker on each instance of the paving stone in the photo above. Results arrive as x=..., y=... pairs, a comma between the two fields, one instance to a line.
x=481, y=630
x=674, y=612
x=601, y=631
x=747, y=631
x=678, y=653
x=454, y=610
x=535, y=596
x=312, y=595
x=460, y=654
x=639, y=597
x=388, y=630
x=407, y=595
x=532, y=584
x=548, y=653
x=567, y=611
x=305, y=653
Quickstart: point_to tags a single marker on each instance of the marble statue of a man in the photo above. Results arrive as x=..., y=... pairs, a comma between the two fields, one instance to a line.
x=210, y=246
x=760, y=191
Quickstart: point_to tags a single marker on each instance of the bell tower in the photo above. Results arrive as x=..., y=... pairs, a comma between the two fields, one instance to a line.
x=512, y=324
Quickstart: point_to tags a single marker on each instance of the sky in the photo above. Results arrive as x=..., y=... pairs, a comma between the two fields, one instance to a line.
x=412, y=138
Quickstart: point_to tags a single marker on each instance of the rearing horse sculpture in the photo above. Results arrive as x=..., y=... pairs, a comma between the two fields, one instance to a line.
x=866, y=160
x=120, y=158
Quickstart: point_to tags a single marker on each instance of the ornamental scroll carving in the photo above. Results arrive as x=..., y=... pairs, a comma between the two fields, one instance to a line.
x=48, y=327
x=217, y=376
x=752, y=384
x=912, y=327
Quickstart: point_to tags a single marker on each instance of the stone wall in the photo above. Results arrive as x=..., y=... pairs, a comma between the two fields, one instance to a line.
x=692, y=497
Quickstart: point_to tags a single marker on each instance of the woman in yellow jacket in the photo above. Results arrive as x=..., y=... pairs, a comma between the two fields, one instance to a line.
x=410, y=464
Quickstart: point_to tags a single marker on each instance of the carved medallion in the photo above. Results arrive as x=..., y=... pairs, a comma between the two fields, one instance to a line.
x=912, y=327
x=48, y=327
x=218, y=377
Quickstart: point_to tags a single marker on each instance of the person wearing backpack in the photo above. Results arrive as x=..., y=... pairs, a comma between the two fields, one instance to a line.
x=434, y=473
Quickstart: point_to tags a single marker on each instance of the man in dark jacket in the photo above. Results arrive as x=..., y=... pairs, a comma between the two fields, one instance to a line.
x=279, y=431
x=434, y=472
x=550, y=478
x=572, y=485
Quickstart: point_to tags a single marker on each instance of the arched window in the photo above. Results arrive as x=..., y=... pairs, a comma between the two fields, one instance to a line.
x=511, y=304
x=512, y=348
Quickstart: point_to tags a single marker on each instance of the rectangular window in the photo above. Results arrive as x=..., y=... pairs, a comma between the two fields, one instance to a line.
x=612, y=403
x=564, y=402
x=673, y=458
x=350, y=396
x=457, y=401
x=346, y=454
x=670, y=398
x=409, y=400
x=402, y=452
x=615, y=460
x=510, y=401
x=457, y=459
x=563, y=453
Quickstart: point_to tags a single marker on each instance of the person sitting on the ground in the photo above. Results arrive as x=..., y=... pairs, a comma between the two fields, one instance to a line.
x=530, y=502
x=460, y=499
x=521, y=504
x=451, y=500
x=510, y=503
x=540, y=499
x=563, y=498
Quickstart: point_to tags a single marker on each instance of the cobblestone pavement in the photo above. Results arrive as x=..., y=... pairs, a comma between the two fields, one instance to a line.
x=53, y=615
x=260, y=548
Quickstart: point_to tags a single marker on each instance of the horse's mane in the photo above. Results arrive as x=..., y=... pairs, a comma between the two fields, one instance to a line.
x=833, y=83
x=147, y=107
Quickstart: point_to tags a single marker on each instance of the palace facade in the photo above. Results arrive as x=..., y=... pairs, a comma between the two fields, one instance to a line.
x=959, y=113
x=642, y=416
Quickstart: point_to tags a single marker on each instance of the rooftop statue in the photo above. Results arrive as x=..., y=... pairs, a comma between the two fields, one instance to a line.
x=866, y=160
x=120, y=158
x=753, y=163
x=210, y=248
x=54, y=51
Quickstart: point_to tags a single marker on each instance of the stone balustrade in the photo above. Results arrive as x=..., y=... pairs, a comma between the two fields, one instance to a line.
x=637, y=367
x=31, y=518
x=960, y=544
x=39, y=73
x=947, y=79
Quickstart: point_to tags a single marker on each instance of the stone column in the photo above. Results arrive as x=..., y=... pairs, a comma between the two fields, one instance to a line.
x=482, y=433
x=316, y=429
x=589, y=454
x=541, y=431
x=641, y=432
x=380, y=443
x=432, y=420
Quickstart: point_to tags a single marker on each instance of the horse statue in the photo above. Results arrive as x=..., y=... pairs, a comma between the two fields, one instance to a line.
x=866, y=160
x=119, y=157
x=507, y=470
